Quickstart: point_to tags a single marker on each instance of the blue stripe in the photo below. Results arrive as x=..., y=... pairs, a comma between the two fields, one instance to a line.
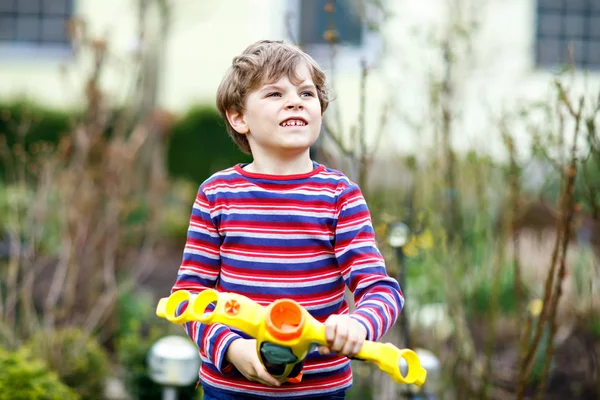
x=276, y=266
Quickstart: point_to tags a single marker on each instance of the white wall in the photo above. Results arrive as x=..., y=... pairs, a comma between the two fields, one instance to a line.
x=496, y=76
x=37, y=75
x=204, y=38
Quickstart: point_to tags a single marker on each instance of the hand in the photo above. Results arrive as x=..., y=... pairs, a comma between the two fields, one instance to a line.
x=344, y=335
x=243, y=355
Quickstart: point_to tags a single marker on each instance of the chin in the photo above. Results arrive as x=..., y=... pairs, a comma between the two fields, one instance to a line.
x=298, y=145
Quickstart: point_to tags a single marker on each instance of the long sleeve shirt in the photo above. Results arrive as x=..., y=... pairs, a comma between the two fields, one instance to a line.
x=302, y=237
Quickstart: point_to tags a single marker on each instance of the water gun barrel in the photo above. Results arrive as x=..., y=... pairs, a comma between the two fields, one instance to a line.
x=209, y=307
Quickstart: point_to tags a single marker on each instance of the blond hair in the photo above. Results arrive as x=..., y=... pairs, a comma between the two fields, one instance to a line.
x=264, y=61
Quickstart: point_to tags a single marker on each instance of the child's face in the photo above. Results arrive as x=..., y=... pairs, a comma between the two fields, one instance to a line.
x=282, y=118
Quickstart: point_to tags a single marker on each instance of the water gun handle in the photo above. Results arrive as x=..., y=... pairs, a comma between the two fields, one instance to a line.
x=388, y=357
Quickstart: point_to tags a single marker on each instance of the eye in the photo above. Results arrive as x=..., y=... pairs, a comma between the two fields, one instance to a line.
x=307, y=94
x=274, y=94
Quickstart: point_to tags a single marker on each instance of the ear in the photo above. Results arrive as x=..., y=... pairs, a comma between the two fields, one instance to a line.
x=237, y=121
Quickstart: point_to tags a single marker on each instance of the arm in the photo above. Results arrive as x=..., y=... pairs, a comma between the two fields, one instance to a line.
x=199, y=270
x=377, y=296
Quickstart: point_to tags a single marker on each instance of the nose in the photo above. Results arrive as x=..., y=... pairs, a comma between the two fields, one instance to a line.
x=294, y=103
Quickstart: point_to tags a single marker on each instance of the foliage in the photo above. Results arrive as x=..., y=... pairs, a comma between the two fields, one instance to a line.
x=478, y=296
x=23, y=377
x=24, y=125
x=176, y=212
x=81, y=215
x=199, y=146
x=77, y=358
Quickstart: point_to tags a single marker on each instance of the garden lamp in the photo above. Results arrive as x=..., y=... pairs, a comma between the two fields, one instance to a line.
x=173, y=361
x=398, y=235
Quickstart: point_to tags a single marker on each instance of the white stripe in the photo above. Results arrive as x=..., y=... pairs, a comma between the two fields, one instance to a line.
x=201, y=207
x=325, y=369
x=191, y=250
x=289, y=278
x=186, y=271
x=202, y=229
x=281, y=234
x=245, y=282
x=270, y=258
x=360, y=201
x=322, y=305
x=355, y=245
x=270, y=211
x=253, y=189
x=353, y=226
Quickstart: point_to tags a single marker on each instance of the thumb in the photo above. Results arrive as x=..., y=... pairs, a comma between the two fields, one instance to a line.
x=324, y=350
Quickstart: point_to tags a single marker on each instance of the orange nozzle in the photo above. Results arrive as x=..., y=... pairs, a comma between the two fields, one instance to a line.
x=285, y=320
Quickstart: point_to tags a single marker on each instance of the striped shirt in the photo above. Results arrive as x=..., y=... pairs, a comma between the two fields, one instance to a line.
x=302, y=237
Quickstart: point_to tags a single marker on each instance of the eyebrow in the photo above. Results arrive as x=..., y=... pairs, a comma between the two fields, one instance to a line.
x=302, y=86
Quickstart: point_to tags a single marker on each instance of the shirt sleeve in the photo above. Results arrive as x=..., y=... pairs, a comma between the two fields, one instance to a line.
x=377, y=296
x=199, y=270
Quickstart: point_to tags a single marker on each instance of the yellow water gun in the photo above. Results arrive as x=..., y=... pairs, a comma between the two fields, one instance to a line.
x=284, y=331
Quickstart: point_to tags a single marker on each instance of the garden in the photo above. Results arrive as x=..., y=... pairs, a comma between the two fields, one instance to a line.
x=500, y=263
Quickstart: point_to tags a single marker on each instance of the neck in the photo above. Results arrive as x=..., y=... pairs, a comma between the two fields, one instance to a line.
x=300, y=164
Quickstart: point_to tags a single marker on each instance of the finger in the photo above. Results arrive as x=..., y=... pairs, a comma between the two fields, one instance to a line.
x=324, y=350
x=330, y=325
x=265, y=377
x=261, y=381
x=351, y=341
x=358, y=346
x=341, y=334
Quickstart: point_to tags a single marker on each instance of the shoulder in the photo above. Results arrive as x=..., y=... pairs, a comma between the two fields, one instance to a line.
x=338, y=179
x=224, y=178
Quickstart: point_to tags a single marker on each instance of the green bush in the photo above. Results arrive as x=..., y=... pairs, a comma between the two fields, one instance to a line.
x=199, y=146
x=24, y=378
x=198, y=143
x=36, y=124
x=76, y=357
x=44, y=124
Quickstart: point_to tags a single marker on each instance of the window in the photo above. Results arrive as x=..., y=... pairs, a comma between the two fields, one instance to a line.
x=35, y=23
x=309, y=22
x=319, y=17
x=564, y=23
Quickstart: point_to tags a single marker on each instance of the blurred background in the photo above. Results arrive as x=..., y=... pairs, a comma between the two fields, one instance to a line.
x=471, y=126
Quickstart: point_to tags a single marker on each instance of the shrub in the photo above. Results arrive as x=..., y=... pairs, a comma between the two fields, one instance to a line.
x=23, y=377
x=35, y=124
x=44, y=124
x=199, y=146
x=76, y=357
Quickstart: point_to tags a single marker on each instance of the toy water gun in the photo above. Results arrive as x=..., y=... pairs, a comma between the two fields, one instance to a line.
x=284, y=331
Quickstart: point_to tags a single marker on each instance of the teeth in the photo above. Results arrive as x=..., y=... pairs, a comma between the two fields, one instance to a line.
x=293, y=122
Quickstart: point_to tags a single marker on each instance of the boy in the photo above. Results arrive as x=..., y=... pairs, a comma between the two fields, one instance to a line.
x=283, y=226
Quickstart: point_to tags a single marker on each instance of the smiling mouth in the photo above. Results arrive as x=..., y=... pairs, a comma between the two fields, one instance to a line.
x=293, y=122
